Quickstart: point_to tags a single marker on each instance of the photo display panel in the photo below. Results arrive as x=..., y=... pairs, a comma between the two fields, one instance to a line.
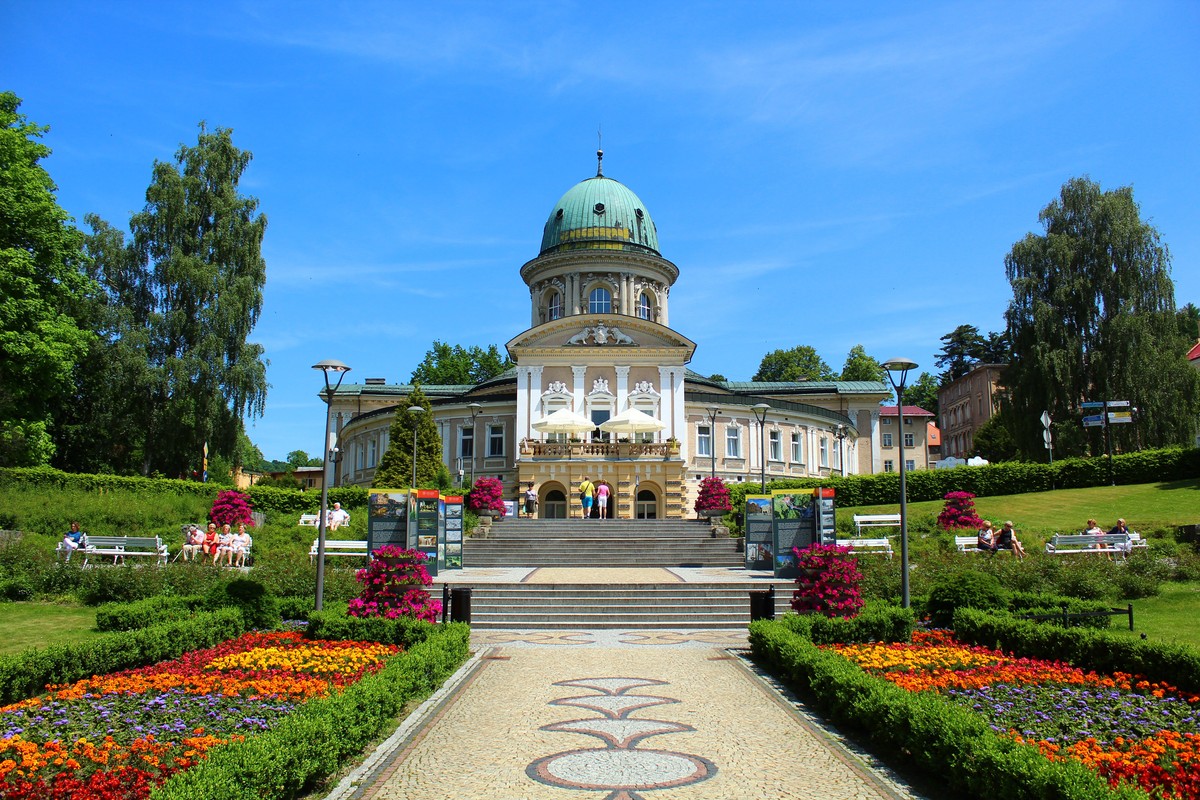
x=387, y=518
x=760, y=545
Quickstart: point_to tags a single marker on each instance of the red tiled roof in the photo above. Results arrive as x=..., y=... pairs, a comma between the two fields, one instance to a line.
x=1194, y=353
x=909, y=411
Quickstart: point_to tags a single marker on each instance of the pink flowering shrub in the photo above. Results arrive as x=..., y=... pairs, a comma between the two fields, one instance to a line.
x=486, y=494
x=959, y=512
x=828, y=582
x=231, y=508
x=394, y=585
x=713, y=495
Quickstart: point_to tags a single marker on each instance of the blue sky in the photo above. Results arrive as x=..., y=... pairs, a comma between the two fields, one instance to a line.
x=824, y=174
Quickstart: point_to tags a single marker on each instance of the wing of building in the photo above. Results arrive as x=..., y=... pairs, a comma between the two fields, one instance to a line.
x=598, y=345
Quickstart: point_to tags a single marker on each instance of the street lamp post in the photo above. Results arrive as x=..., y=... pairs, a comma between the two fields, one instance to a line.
x=840, y=434
x=475, y=409
x=760, y=413
x=902, y=366
x=328, y=368
x=416, y=411
x=712, y=440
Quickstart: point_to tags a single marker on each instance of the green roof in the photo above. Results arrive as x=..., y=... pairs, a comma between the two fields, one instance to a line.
x=599, y=214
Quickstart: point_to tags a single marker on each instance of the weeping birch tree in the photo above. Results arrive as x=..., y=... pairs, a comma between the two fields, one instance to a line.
x=1092, y=317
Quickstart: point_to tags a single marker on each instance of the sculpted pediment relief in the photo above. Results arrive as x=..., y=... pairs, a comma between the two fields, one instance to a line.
x=606, y=333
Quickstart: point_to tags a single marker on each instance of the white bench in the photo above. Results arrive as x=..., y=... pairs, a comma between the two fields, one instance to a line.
x=967, y=544
x=1136, y=542
x=883, y=546
x=120, y=546
x=309, y=520
x=875, y=521
x=1112, y=543
x=62, y=549
x=339, y=547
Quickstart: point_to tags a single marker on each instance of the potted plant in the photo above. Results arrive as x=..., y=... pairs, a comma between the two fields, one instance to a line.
x=486, y=498
x=713, y=498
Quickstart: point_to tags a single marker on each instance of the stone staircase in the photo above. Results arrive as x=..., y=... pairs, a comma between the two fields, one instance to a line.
x=612, y=545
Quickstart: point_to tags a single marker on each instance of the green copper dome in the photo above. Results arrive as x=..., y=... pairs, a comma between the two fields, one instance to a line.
x=599, y=214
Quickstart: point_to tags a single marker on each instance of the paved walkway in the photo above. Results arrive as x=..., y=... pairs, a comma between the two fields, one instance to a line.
x=605, y=715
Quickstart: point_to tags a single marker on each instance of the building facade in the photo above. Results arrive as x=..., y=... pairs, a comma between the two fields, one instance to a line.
x=598, y=345
x=964, y=405
x=915, y=432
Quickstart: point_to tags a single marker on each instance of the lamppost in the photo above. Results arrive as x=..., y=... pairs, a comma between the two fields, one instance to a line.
x=712, y=439
x=840, y=434
x=901, y=365
x=760, y=413
x=416, y=411
x=475, y=409
x=328, y=368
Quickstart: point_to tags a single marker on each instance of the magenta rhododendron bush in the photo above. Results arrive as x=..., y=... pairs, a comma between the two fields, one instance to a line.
x=713, y=495
x=828, y=582
x=486, y=495
x=959, y=512
x=394, y=585
x=231, y=508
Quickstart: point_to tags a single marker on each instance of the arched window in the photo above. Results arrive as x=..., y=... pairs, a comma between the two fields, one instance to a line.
x=645, y=308
x=600, y=301
x=554, y=307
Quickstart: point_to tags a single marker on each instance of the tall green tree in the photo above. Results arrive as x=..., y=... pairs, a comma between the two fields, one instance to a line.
x=299, y=458
x=44, y=293
x=1092, y=317
x=396, y=467
x=861, y=367
x=448, y=365
x=197, y=263
x=961, y=349
x=924, y=393
x=801, y=363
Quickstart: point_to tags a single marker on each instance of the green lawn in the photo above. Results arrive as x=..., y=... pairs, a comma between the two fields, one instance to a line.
x=1146, y=507
x=1170, y=617
x=28, y=625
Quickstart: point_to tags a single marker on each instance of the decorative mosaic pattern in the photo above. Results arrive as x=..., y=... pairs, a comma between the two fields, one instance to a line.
x=620, y=767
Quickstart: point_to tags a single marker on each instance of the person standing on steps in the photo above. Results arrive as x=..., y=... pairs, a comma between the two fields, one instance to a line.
x=531, y=501
x=602, y=499
x=587, y=492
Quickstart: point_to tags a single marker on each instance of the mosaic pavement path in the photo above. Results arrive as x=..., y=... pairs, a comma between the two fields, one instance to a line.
x=655, y=715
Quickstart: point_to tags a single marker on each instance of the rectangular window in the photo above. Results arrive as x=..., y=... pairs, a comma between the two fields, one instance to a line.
x=733, y=442
x=495, y=441
x=466, y=443
x=887, y=440
x=889, y=466
x=909, y=464
x=885, y=420
x=372, y=453
x=797, y=449
x=775, y=442
x=824, y=452
x=358, y=456
x=910, y=440
x=704, y=440
x=908, y=420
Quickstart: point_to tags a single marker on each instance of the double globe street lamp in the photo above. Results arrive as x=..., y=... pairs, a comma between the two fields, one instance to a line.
x=329, y=368
x=902, y=366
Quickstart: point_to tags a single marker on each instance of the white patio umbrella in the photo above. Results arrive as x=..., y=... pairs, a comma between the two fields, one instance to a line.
x=564, y=421
x=632, y=420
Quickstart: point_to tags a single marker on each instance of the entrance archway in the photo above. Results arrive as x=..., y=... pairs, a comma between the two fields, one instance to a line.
x=554, y=505
x=646, y=506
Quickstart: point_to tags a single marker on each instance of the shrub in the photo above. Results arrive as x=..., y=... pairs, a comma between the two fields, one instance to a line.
x=877, y=622
x=967, y=589
x=828, y=582
x=257, y=605
x=394, y=586
x=713, y=496
x=145, y=613
x=486, y=495
x=231, y=508
x=959, y=512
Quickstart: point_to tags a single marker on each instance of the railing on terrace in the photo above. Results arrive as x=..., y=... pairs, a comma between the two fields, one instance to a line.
x=615, y=450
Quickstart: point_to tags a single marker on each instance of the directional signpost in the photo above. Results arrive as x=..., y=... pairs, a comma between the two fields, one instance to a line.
x=1122, y=414
x=1047, y=437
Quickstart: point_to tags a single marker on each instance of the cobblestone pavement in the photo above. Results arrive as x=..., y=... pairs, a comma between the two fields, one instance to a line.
x=649, y=715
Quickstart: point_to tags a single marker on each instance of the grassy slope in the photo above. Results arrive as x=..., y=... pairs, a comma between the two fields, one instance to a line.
x=1170, y=617
x=28, y=625
x=1146, y=507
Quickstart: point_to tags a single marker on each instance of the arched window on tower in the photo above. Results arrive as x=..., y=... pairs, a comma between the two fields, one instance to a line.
x=554, y=307
x=600, y=301
x=645, y=306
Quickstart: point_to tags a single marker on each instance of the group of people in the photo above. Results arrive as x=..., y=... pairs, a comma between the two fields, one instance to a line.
x=991, y=541
x=227, y=545
x=592, y=494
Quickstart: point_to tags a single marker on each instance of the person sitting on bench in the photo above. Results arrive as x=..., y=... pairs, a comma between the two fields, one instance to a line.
x=986, y=540
x=73, y=539
x=1007, y=540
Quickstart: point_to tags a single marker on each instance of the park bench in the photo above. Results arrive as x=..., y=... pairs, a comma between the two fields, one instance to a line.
x=61, y=550
x=875, y=521
x=309, y=520
x=121, y=546
x=1136, y=542
x=340, y=547
x=882, y=546
x=1111, y=543
x=967, y=544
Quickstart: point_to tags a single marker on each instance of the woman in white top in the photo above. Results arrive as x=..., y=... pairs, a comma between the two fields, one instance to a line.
x=224, y=546
x=241, y=546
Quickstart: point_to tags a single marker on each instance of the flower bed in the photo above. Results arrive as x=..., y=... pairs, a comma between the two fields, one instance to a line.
x=1124, y=727
x=117, y=736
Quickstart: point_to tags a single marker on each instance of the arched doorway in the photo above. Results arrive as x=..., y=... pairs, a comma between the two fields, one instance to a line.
x=611, y=510
x=646, y=506
x=554, y=505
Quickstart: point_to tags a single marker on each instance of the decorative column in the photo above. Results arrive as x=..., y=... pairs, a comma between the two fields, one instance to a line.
x=622, y=388
x=578, y=390
x=876, y=456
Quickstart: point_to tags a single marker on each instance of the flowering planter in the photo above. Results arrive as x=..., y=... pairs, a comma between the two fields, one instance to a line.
x=709, y=513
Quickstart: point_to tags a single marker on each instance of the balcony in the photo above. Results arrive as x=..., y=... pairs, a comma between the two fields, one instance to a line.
x=607, y=451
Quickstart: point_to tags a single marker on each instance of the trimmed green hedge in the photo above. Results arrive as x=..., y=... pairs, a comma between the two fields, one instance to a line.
x=145, y=613
x=1103, y=651
x=878, y=622
x=921, y=731
x=1013, y=477
x=27, y=673
x=320, y=736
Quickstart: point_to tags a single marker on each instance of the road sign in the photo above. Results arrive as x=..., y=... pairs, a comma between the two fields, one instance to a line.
x=1120, y=417
x=1092, y=404
x=1118, y=404
x=1047, y=437
x=1045, y=420
x=1096, y=421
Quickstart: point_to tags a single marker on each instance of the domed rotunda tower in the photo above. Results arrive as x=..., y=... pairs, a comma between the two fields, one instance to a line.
x=599, y=255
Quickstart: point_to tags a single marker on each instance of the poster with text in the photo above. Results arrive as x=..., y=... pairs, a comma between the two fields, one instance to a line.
x=792, y=512
x=452, y=507
x=759, y=531
x=387, y=518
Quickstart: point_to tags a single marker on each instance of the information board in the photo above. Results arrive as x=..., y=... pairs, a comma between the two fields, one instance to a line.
x=792, y=510
x=426, y=508
x=759, y=532
x=387, y=518
x=453, y=506
x=824, y=530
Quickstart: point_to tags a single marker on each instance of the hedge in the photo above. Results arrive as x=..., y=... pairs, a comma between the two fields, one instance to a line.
x=145, y=613
x=321, y=735
x=878, y=622
x=1086, y=648
x=27, y=673
x=922, y=731
x=1012, y=477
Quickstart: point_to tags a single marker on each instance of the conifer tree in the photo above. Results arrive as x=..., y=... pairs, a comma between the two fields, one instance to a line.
x=396, y=467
